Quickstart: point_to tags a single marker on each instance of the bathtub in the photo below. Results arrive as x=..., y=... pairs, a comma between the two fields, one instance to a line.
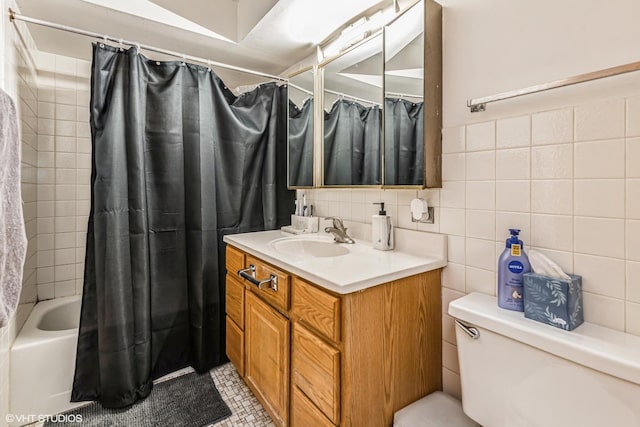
x=43, y=359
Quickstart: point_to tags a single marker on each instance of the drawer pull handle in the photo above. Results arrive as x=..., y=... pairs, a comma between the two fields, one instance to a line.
x=250, y=275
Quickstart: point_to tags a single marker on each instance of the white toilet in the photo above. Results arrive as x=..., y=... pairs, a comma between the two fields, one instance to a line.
x=519, y=372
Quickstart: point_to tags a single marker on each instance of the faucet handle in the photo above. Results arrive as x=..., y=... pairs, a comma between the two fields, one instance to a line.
x=337, y=222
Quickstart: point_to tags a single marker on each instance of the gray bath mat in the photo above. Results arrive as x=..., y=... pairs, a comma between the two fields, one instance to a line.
x=189, y=400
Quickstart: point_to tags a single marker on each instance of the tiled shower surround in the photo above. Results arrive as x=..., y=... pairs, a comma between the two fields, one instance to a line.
x=64, y=173
x=569, y=178
x=18, y=78
x=51, y=94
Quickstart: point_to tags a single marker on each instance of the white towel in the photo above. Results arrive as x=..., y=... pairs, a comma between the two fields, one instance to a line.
x=13, y=239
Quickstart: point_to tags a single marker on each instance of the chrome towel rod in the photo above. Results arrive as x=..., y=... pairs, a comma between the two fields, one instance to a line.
x=13, y=16
x=479, y=104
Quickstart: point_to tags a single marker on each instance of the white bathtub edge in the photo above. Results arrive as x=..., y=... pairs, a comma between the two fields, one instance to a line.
x=30, y=334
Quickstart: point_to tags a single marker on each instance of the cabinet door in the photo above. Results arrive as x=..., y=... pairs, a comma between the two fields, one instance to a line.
x=235, y=345
x=267, y=357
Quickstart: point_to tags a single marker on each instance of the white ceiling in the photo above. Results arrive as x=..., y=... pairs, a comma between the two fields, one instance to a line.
x=265, y=35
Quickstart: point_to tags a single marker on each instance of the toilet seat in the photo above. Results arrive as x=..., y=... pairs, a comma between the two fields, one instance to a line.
x=435, y=410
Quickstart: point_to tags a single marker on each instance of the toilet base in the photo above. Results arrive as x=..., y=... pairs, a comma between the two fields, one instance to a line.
x=435, y=410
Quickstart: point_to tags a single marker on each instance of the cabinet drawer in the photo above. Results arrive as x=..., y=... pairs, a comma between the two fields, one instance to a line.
x=317, y=308
x=235, y=346
x=234, y=299
x=235, y=260
x=316, y=371
x=304, y=413
x=278, y=298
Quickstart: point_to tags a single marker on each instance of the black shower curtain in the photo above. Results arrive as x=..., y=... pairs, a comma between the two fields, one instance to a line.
x=301, y=144
x=352, y=139
x=403, y=142
x=178, y=161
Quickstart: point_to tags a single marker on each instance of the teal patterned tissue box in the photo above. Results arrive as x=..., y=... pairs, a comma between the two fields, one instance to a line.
x=555, y=302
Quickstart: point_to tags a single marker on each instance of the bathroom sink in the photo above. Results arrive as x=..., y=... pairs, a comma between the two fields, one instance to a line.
x=309, y=246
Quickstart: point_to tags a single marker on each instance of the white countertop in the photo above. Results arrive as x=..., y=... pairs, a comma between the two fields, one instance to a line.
x=361, y=268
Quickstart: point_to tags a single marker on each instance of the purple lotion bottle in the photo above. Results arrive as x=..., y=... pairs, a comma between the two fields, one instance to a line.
x=512, y=264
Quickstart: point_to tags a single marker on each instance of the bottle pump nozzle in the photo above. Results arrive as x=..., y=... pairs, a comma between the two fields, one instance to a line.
x=514, y=237
x=382, y=211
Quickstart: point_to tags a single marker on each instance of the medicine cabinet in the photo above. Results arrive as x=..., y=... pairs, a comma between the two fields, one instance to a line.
x=378, y=109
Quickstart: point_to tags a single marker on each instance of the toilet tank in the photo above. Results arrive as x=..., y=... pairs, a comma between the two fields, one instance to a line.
x=519, y=372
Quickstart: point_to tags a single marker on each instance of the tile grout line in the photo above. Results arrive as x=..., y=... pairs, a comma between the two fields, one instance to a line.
x=624, y=228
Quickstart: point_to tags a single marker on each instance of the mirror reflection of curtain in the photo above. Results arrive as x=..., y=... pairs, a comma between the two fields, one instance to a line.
x=352, y=140
x=403, y=142
x=178, y=161
x=301, y=144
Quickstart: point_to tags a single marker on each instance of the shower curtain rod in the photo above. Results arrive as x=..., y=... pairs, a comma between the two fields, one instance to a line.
x=16, y=16
x=342, y=95
x=301, y=89
x=403, y=95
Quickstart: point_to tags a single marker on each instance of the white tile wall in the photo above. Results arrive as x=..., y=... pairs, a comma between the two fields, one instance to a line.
x=552, y=127
x=589, y=156
x=633, y=116
x=602, y=119
x=481, y=165
x=51, y=93
x=64, y=173
x=513, y=164
x=552, y=196
x=569, y=178
x=552, y=162
x=632, y=320
x=513, y=132
x=18, y=79
x=453, y=140
x=481, y=136
x=480, y=224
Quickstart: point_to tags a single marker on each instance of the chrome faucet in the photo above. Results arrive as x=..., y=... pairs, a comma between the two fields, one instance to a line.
x=339, y=232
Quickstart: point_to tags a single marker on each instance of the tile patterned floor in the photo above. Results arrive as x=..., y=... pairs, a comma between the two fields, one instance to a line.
x=246, y=411
x=245, y=408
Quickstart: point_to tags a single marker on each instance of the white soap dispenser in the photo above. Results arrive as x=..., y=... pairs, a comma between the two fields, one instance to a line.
x=381, y=230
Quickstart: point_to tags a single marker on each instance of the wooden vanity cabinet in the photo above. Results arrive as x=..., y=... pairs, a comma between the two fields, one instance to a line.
x=258, y=332
x=316, y=358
